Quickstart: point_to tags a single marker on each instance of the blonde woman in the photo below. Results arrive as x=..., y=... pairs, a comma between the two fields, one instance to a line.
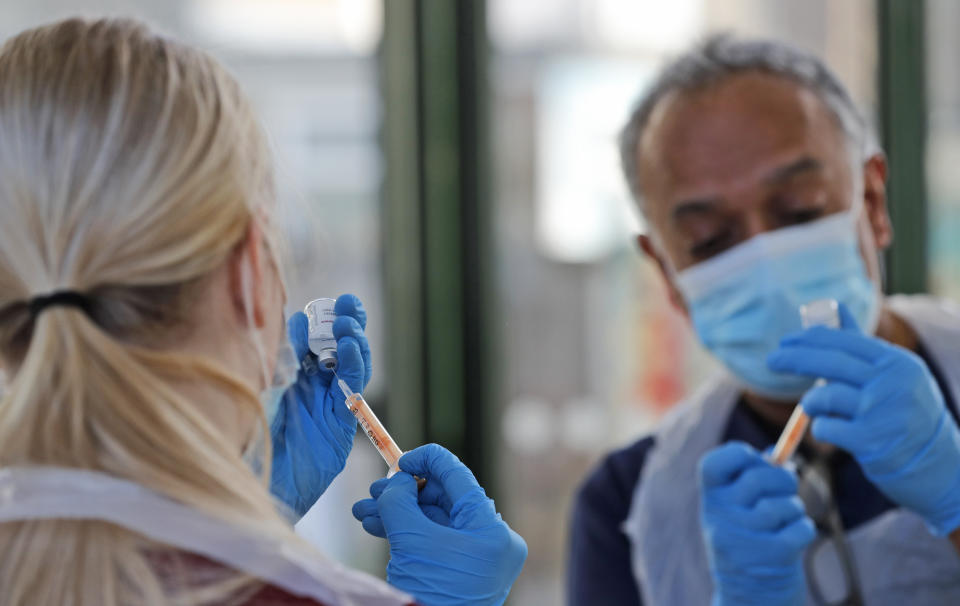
x=141, y=315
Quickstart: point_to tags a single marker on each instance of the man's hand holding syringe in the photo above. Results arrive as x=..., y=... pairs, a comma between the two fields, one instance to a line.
x=880, y=403
x=873, y=399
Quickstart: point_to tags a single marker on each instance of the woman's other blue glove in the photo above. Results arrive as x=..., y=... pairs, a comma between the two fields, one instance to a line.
x=883, y=406
x=313, y=430
x=754, y=527
x=448, y=544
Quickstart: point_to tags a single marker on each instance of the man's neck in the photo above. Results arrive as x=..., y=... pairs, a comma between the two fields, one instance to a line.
x=891, y=328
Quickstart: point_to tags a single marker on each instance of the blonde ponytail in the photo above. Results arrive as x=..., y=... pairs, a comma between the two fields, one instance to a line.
x=130, y=169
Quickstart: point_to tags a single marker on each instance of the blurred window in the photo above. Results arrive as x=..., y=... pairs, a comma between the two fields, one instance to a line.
x=943, y=146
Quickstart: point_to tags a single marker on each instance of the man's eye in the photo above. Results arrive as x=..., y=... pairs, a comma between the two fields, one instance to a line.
x=711, y=246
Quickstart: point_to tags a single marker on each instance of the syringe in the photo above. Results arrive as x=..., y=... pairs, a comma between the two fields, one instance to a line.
x=823, y=312
x=378, y=434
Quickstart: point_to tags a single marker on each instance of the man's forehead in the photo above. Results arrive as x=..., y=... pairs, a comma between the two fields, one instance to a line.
x=771, y=170
x=732, y=134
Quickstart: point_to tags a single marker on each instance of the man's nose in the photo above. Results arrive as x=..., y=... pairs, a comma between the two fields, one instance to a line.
x=756, y=222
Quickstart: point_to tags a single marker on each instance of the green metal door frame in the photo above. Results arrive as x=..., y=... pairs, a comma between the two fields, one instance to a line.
x=436, y=225
x=903, y=125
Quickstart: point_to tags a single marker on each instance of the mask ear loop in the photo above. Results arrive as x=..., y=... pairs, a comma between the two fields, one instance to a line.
x=662, y=255
x=255, y=451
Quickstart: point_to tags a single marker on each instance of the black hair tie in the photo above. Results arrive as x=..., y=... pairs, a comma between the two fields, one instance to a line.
x=68, y=298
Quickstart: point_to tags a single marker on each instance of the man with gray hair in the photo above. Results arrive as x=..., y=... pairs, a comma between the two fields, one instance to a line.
x=764, y=191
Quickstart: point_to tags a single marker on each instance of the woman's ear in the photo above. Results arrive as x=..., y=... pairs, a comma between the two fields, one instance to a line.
x=247, y=264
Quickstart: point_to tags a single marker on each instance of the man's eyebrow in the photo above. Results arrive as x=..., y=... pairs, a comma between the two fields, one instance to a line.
x=800, y=166
x=695, y=206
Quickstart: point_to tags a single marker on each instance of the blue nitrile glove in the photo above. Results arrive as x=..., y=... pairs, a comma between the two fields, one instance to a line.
x=883, y=406
x=450, y=546
x=313, y=431
x=754, y=527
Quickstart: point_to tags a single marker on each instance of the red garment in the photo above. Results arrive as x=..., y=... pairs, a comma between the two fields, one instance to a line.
x=179, y=569
x=274, y=596
x=176, y=567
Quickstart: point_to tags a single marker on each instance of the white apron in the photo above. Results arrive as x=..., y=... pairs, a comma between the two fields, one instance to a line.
x=43, y=493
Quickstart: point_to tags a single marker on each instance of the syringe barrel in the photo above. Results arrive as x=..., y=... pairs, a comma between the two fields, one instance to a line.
x=791, y=437
x=376, y=432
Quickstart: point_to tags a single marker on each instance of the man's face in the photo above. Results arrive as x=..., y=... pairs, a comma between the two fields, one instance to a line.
x=752, y=154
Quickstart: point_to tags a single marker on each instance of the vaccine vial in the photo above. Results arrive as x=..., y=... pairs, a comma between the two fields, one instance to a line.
x=822, y=312
x=320, y=318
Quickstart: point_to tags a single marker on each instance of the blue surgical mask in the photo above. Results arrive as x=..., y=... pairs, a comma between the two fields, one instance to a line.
x=284, y=376
x=743, y=301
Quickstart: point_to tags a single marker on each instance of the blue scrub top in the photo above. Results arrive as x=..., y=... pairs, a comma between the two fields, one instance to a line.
x=599, y=570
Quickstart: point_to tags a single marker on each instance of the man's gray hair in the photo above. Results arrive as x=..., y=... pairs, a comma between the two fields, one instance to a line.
x=724, y=55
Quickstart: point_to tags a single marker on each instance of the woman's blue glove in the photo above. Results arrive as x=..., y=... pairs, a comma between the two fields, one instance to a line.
x=883, y=406
x=754, y=527
x=313, y=431
x=449, y=546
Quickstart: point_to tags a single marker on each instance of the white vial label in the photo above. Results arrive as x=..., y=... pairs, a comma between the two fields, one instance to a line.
x=320, y=317
x=822, y=312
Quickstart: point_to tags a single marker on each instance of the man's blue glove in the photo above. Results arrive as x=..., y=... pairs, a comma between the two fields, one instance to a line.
x=754, y=527
x=883, y=406
x=313, y=431
x=449, y=546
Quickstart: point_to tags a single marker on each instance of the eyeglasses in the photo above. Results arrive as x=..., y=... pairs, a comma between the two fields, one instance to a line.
x=821, y=562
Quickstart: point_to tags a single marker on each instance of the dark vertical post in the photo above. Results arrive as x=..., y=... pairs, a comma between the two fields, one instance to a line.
x=903, y=111
x=403, y=223
x=436, y=224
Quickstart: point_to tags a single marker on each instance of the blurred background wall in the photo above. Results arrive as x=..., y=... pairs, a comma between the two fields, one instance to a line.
x=453, y=163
